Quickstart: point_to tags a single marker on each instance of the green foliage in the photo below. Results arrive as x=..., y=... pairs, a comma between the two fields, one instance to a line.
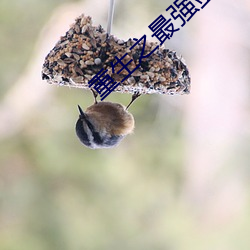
x=20, y=24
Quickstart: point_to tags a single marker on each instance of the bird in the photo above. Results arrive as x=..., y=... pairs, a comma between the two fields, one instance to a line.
x=104, y=124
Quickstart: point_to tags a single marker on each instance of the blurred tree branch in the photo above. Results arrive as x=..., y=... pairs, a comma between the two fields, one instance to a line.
x=29, y=92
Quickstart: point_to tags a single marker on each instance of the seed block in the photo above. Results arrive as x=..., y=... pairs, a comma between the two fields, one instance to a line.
x=86, y=49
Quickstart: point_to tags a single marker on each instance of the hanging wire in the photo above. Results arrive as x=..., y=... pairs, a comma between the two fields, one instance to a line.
x=110, y=16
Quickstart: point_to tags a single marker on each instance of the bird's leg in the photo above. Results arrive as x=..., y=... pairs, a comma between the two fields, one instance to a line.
x=134, y=97
x=95, y=94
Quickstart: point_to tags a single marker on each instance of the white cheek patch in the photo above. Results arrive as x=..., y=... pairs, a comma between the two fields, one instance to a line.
x=89, y=133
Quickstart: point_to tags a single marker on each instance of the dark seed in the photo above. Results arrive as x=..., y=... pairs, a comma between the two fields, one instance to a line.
x=45, y=77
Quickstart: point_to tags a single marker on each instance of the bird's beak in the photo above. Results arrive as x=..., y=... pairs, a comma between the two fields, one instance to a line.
x=82, y=115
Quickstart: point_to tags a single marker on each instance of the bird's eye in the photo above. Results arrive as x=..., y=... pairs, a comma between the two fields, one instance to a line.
x=84, y=58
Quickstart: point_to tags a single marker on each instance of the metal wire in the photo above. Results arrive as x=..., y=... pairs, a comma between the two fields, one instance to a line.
x=110, y=16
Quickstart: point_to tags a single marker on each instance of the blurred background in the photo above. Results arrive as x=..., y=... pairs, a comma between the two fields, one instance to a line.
x=180, y=182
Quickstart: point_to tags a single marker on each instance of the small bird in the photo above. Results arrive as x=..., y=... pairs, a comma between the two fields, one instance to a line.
x=104, y=124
